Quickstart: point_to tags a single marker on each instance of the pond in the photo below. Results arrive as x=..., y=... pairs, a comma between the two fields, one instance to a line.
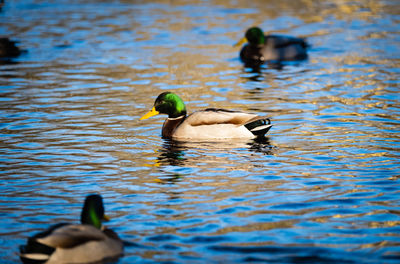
x=322, y=187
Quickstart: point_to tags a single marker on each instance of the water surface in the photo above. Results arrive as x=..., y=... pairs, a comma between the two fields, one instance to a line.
x=323, y=187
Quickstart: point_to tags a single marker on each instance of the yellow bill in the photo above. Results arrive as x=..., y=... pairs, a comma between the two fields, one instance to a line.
x=106, y=218
x=152, y=112
x=241, y=42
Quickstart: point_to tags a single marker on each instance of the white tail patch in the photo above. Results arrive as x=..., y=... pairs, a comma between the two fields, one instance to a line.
x=260, y=128
x=35, y=256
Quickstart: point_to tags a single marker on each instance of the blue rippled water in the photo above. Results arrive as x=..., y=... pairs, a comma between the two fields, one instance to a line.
x=323, y=187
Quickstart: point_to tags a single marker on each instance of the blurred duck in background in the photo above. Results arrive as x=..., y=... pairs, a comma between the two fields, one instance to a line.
x=260, y=48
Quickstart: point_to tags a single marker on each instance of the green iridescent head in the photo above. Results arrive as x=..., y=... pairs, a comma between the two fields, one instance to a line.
x=93, y=211
x=255, y=36
x=167, y=103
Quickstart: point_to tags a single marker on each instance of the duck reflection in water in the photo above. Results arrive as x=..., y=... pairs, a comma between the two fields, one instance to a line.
x=174, y=152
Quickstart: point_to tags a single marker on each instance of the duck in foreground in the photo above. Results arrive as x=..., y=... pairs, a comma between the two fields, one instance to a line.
x=208, y=124
x=75, y=243
x=261, y=48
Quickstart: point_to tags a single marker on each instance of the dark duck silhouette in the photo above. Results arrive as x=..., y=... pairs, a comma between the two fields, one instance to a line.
x=8, y=48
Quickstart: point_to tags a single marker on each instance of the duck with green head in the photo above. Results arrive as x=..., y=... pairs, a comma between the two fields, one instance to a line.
x=208, y=124
x=261, y=48
x=75, y=243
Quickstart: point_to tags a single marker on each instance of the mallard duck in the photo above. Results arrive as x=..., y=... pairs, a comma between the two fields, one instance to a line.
x=206, y=124
x=75, y=243
x=261, y=48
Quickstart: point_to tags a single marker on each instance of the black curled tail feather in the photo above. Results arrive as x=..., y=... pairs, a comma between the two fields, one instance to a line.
x=259, y=127
x=33, y=248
